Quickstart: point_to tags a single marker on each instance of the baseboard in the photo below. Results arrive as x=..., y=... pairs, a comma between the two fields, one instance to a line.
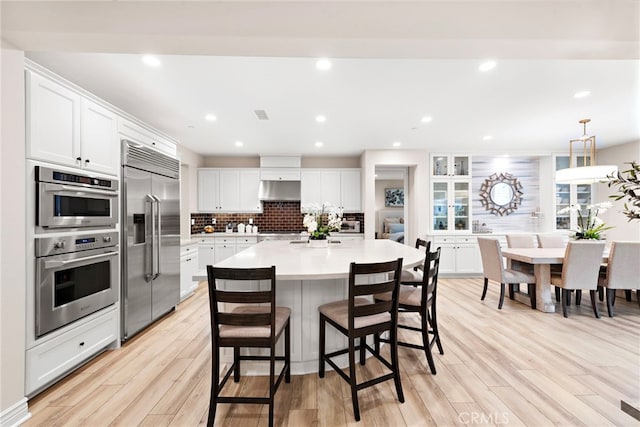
x=16, y=414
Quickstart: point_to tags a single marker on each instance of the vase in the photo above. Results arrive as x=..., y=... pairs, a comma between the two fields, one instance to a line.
x=318, y=243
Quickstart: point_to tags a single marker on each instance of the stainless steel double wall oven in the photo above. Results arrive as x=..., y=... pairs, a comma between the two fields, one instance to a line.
x=77, y=258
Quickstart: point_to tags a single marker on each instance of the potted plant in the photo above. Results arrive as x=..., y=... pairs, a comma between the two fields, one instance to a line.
x=591, y=226
x=627, y=184
x=320, y=220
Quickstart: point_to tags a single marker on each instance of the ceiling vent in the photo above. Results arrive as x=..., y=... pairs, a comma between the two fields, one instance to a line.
x=261, y=114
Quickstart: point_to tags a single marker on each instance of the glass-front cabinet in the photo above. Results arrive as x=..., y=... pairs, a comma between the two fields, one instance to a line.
x=450, y=165
x=568, y=195
x=450, y=205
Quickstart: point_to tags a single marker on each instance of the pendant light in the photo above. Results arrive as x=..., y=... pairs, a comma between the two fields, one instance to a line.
x=588, y=172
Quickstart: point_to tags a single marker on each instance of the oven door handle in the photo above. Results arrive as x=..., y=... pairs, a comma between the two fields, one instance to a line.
x=56, y=263
x=50, y=188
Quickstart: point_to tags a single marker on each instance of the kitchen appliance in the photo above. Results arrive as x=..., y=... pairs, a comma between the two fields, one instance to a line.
x=73, y=200
x=76, y=275
x=349, y=226
x=150, y=236
x=283, y=235
x=277, y=191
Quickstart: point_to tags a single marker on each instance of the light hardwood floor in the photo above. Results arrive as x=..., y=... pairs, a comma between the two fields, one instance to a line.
x=513, y=366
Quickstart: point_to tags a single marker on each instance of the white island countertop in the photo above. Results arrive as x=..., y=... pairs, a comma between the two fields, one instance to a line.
x=298, y=261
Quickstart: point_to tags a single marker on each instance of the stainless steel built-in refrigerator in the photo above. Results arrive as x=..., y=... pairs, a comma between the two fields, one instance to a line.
x=150, y=236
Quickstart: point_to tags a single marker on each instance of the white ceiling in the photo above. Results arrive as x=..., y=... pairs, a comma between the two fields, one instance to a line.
x=393, y=63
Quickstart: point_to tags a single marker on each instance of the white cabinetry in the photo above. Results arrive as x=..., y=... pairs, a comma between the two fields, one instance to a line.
x=339, y=187
x=55, y=357
x=569, y=195
x=188, y=268
x=228, y=190
x=206, y=253
x=458, y=254
x=66, y=128
x=137, y=133
x=212, y=250
x=450, y=165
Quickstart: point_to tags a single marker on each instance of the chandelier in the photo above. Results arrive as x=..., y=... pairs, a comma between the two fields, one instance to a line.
x=588, y=172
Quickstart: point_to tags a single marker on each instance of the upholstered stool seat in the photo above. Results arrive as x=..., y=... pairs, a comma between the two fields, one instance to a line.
x=231, y=331
x=338, y=311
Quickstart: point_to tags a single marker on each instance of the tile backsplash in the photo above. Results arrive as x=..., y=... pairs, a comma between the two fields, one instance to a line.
x=275, y=216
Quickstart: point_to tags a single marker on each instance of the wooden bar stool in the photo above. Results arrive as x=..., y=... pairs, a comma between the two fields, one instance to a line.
x=420, y=297
x=257, y=323
x=360, y=316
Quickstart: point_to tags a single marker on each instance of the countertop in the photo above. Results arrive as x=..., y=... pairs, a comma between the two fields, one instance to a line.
x=298, y=261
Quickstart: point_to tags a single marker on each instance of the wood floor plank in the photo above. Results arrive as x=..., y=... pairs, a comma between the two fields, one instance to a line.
x=538, y=368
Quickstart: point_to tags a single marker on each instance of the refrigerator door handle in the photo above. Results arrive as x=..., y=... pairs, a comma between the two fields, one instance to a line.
x=158, y=238
x=151, y=263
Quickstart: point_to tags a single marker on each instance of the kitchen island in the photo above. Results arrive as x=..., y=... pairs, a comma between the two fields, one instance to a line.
x=307, y=278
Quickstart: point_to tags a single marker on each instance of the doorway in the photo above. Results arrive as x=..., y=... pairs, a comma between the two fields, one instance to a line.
x=391, y=203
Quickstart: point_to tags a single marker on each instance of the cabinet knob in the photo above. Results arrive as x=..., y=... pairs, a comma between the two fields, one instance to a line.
x=86, y=161
x=81, y=343
x=79, y=159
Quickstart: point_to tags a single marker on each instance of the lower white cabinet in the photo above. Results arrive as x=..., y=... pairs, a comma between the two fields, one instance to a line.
x=188, y=268
x=52, y=359
x=458, y=254
x=212, y=250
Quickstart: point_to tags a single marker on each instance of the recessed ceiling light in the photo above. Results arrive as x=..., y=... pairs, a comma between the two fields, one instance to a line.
x=191, y=126
x=426, y=119
x=151, y=61
x=396, y=143
x=487, y=138
x=323, y=64
x=239, y=143
x=321, y=119
x=582, y=94
x=487, y=65
x=318, y=144
x=211, y=117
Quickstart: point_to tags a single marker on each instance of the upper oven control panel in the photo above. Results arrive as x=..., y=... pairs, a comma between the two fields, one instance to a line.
x=61, y=245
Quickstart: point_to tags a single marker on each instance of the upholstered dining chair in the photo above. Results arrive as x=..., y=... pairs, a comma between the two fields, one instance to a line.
x=361, y=316
x=580, y=271
x=257, y=322
x=623, y=271
x=415, y=274
x=552, y=241
x=420, y=297
x=493, y=269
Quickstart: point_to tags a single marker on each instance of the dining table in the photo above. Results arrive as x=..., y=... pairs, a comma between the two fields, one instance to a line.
x=541, y=259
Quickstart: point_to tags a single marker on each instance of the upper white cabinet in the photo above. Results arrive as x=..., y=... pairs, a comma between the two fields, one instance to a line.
x=66, y=128
x=443, y=165
x=134, y=132
x=571, y=195
x=228, y=190
x=451, y=209
x=249, y=188
x=339, y=187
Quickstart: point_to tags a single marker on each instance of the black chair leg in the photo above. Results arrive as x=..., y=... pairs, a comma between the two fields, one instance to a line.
x=565, y=297
x=425, y=344
x=501, y=296
x=433, y=320
x=395, y=365
x=352, y=379
x=512, y=290
x=627, y=294
x=611, y=295
x=376, y=343
x=557, y=294
x=215, y=380
x=287, y=352
x=532, y=294
x=601, y=293
x=484, y=289
x=236, y=361
x=592, y=294
x=578, y=296
x=272, y=388
x=321, y=347
x=363, y=350
x=638, y=296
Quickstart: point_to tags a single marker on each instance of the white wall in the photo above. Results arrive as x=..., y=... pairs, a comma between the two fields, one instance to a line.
x=12, y=234
x=189, y=164
x=417, y=194
x=618, y=155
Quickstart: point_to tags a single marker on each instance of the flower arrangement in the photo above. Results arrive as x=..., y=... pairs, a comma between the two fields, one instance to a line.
x=628, y=186
x=316, y=215
x=591, y=226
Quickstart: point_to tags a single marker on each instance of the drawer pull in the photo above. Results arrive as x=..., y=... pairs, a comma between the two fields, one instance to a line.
x=82, y=344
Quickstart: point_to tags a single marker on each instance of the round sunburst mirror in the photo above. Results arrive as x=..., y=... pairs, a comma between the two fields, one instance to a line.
x=501, y=194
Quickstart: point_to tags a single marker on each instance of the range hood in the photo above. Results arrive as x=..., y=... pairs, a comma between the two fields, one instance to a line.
x=279, y=190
